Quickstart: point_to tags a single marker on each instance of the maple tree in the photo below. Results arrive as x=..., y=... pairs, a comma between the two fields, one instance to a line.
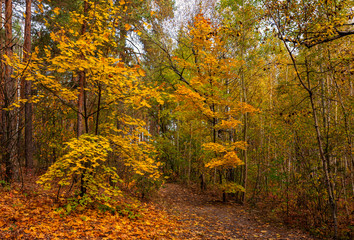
x=104, y=83
x=205, y=95
x=241, y=23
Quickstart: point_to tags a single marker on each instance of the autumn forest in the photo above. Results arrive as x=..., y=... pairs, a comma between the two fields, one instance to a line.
x=122, y=119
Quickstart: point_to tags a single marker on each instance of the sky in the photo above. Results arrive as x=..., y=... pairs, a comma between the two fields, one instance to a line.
x=185, y=11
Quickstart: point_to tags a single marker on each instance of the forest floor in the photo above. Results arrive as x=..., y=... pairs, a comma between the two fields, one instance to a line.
x=206, y=217
x=177, y=212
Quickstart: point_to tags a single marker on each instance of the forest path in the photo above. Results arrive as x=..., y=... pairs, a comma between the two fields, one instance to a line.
x=207, y=218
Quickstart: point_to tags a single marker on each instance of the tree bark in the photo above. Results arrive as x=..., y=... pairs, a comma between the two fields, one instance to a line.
x=81, y=115
x=1, y=64
x=245, y=115
x=28, y=88
x=82, y=78
x=324, y=160
x=9, y=93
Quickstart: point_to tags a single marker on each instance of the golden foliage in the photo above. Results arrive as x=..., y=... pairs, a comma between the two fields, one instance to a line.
x=84, y=160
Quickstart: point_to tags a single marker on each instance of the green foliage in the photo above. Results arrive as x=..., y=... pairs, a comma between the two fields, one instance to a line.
x=147, y=186
x=5, y=185
x=128, y=210
x=167, y=153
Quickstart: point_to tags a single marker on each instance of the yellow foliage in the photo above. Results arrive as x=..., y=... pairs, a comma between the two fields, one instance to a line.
x=206, y=93
x=85, y=159
x=226, y=155
x=214, y=147
x=127, y=27
x=231, y=187
x=117, y=84
x=240, y=144
x=230, y=159
x=228, y=124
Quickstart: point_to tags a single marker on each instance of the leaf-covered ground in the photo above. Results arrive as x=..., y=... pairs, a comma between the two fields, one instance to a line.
x=30, y=214
x=177, y=213
x=205, y=217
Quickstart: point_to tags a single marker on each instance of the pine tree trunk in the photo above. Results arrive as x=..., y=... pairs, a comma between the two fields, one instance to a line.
x=1, y=67
x=9, y=93
x=28, y=88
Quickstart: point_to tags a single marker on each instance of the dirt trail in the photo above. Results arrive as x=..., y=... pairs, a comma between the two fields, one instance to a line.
x=206, y=218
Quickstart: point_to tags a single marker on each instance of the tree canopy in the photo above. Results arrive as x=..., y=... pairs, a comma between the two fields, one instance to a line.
x=252, y=99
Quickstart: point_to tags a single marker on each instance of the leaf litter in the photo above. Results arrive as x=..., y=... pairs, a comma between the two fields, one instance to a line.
x=176, y=213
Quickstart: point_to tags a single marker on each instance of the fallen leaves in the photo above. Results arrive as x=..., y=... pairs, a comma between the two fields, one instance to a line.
x=205, y=219
x=37, y=217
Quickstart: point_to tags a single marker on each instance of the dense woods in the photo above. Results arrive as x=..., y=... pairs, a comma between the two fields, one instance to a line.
x=250, y=98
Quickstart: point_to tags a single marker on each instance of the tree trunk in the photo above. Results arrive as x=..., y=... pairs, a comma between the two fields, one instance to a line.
x=98, y=108
x=28, y=88
x=9, y=93
x=324, y=160
x=80, y=104
x=1, y=67
x=82, y=79
x=190, y=155
x=82, y=116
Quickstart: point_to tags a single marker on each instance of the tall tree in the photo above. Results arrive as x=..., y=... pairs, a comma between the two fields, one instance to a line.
x=204, y=93
x=299, y=29
x=241, y=20
x=107, y=83
x=82, y=125
x=9, y=94
x=2, y=38
x=28, y=88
